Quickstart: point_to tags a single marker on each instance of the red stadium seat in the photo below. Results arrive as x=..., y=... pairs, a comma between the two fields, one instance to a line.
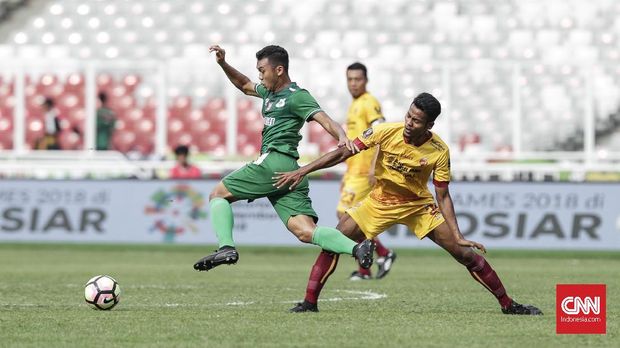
x=131, y=82
x=75, y=83
x=105, y=83
x=123, y=140
x=70, y=140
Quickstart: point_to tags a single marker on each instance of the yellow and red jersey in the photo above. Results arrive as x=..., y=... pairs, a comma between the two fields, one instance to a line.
x=363, y=111
x=403, y=170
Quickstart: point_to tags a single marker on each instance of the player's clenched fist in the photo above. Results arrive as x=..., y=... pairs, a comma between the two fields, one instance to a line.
x=220, y=54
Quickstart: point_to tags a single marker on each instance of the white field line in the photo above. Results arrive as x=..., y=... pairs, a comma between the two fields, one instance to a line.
x=347, y=295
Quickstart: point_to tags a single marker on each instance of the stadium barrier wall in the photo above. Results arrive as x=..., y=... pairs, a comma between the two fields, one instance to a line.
x=501, y=215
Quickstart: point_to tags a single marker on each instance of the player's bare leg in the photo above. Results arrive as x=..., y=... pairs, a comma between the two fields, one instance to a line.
x=222, y=221
x=480, y=270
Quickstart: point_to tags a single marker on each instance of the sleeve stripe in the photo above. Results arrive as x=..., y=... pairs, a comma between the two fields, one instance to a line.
x=359, y=144
x=377, y=121
x=440, y=183
x=311, y=113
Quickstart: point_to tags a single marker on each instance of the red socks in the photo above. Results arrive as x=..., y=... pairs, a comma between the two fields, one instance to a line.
x=482, y=272
x=323, y=267
x=381, y=250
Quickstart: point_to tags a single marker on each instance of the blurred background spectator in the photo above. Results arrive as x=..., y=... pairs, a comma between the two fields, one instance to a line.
x=49, y=140
x=183, y=169
x=106, y=120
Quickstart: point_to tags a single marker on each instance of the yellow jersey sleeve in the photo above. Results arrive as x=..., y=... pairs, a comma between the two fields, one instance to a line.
x=373, y=110
x=371, y=137
x=441, y=171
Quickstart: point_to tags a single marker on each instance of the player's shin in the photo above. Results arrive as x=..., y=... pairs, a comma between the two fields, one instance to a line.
x=333, y=240
x=222, y=221
x=484, y=274
x=323, y=267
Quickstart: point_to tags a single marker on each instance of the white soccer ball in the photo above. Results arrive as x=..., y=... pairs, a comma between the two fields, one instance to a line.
x=102, y=292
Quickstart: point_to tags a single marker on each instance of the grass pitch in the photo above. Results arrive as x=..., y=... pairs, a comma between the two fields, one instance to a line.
x=428, y=300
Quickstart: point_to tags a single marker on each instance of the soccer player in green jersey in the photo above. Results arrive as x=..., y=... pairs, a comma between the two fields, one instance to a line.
x=285, y=108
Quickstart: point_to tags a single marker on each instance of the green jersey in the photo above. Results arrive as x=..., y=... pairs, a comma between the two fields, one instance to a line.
x=284, y=114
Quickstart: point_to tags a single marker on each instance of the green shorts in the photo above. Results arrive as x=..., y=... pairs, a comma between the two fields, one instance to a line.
x=255, y=180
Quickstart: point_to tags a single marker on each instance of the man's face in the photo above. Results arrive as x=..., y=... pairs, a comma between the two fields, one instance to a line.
x=416, y=123
x=268, y=74
x=181, y=158
x=356, y=82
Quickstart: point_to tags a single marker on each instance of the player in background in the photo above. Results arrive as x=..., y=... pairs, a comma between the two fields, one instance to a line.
x=364, y=112
x=183, y=168
x=408, y=154
x=286, y=107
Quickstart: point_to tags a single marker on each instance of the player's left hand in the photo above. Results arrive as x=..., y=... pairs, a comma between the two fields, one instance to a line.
x=288, y=178
x=472, y=244
x=349, y=144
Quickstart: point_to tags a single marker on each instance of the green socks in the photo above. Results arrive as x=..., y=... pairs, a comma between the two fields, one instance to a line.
x=333, y=240
x=222, y=221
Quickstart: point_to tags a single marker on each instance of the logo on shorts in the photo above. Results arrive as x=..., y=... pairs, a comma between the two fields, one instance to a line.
x=367, y=133
x=580, y=309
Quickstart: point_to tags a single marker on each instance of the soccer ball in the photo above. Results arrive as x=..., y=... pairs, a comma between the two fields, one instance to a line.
x=102, y=292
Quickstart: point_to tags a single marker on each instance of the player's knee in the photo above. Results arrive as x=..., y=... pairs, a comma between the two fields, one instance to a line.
x=463, y=255
x=217, y=192
x=305, y=236
x=303, y=233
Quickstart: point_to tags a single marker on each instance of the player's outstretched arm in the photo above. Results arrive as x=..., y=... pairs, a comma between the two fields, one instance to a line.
x=327, y=160
x=336, y=131
x=240, y=81
x=446, y=206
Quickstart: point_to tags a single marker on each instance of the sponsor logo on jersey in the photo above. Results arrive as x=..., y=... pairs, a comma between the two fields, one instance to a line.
x=270, y=121
x=367, y=133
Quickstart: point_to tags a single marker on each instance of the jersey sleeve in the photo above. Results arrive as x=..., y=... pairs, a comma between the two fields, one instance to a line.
x=370, y=137
x=441, y=172
x=261, y=90
x=373, y=111
x=304, y=105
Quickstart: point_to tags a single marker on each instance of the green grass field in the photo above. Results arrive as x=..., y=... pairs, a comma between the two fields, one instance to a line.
x=428, y=300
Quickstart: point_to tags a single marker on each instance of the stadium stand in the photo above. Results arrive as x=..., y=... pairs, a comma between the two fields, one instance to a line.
x=508, y=72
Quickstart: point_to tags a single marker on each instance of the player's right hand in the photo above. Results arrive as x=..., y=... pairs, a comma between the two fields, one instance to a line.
x=472, y=244
x=293, y=178
x=220, y=54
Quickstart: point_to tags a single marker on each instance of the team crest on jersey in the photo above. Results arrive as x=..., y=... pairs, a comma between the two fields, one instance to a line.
x=423, y=161
x=280, y=103
x=367, y=133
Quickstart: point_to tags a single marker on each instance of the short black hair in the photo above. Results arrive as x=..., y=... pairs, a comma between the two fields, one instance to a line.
x=359, y=66
x=49, y=102
x=181, y=150
x=275, y=54
x=103, y=97
x=429, y=104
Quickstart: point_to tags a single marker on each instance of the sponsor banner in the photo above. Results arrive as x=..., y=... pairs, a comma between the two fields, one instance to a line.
x=506, y=215
x=581, y=309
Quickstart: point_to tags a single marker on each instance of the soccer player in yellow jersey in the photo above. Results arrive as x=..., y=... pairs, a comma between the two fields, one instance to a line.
x=364, y=112
x=408, y=154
